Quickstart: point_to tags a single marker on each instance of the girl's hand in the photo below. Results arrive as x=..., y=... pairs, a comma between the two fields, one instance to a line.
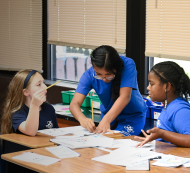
x=103, y=127
x=155, y=133
x=39, y=97
x=87, y=124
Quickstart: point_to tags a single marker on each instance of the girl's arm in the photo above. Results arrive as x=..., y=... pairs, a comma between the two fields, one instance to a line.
x=30, y=126
x=181, y=140
x=76, y=112
x=118, y=106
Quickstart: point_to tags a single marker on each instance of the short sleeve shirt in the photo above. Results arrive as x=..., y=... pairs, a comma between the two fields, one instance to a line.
x=176, y=117
x=47, y=118
x=136, y=106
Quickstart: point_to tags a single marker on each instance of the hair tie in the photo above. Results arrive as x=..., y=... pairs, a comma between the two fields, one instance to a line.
x=28, y=78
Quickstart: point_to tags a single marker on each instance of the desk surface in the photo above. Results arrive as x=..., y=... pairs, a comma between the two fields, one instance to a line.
x=33, y=142
x=38, y=141
x=85, y=164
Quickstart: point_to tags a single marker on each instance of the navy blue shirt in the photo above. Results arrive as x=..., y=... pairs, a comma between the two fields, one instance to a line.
x=47, y=118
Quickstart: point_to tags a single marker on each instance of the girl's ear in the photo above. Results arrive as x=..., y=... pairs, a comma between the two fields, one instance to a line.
x=168, y=87
x=25, y=92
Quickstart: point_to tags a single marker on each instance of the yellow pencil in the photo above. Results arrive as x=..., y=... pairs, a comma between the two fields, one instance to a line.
x=53, y=84
x=92, y=111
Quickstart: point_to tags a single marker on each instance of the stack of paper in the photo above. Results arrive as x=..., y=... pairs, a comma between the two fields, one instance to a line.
x=171, y=161
x=127, y=155
x=142, y=165
x=76, y=130
x=85, y=141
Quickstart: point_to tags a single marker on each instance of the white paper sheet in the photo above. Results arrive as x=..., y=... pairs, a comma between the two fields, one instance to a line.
x=142, y=165
x=62, y=152
x=75, y=130
x=85, y=141
x=171, y=161
x=36, y=158
x=187, y=164
x=126, y=155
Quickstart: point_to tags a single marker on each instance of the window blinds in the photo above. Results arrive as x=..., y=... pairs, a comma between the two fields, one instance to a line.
x=168, y=29
x=21, y=34
x=87, y=23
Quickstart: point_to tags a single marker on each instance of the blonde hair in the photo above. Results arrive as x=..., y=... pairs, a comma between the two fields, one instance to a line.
x=15, y=99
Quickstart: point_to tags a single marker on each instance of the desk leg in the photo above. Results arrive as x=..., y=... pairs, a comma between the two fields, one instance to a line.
x=3, y=162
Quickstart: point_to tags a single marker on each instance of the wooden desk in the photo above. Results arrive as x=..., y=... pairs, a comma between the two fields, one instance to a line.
x=18, y=142
x=32, y=142
x=85, y=164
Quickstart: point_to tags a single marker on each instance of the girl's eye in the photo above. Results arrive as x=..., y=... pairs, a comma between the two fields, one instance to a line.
x=150, y=84
x=39, y=84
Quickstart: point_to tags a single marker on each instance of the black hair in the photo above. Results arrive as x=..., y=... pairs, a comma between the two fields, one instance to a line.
x=171, y=72
x=107, y=57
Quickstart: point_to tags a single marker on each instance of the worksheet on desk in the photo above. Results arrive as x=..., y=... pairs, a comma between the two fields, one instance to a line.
x=85, y=141
x=62, y=152
x=126, y=155
x=36, y=158
x=75, y=130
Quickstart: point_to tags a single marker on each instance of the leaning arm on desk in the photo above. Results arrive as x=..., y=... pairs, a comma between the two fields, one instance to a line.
x=181, y=140
x=118, y=106
x=104, y=125
x=180, y=121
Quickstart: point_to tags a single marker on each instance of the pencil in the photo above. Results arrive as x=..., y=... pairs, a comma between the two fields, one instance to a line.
x=92, y=111
x=53, y=84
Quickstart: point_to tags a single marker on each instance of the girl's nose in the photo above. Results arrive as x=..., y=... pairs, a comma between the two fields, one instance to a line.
x=44, y=86
x=148, y=87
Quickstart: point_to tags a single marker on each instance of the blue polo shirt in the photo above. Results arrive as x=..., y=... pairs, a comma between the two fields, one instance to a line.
x=47, y=118
x=136, y=108
x=176, y=117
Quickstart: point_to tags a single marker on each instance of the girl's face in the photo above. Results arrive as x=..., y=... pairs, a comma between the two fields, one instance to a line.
x=36, y=84
x=157, y=90
x=102, y=73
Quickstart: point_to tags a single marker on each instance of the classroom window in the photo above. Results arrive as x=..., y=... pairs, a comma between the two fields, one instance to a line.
x=76, y=27
x=70, y=62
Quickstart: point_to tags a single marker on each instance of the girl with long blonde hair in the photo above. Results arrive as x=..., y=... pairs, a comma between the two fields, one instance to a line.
x=25, y=109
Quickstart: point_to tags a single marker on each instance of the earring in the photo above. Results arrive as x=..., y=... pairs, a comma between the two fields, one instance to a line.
x=165, y=102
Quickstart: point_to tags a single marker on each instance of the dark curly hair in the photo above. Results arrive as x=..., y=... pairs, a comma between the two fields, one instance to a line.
x=107, y=57
x=171, y=72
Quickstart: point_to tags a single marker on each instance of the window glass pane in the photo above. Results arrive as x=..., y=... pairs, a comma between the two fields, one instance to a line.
x=184, y=64
x=71, y=62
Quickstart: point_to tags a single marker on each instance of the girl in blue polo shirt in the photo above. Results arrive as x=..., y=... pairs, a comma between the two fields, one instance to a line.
x=25, y=108
x=114, y=78
x=168, y=83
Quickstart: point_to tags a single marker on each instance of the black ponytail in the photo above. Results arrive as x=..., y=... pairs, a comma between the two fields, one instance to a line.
x=169, y=71
x=108, y=58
